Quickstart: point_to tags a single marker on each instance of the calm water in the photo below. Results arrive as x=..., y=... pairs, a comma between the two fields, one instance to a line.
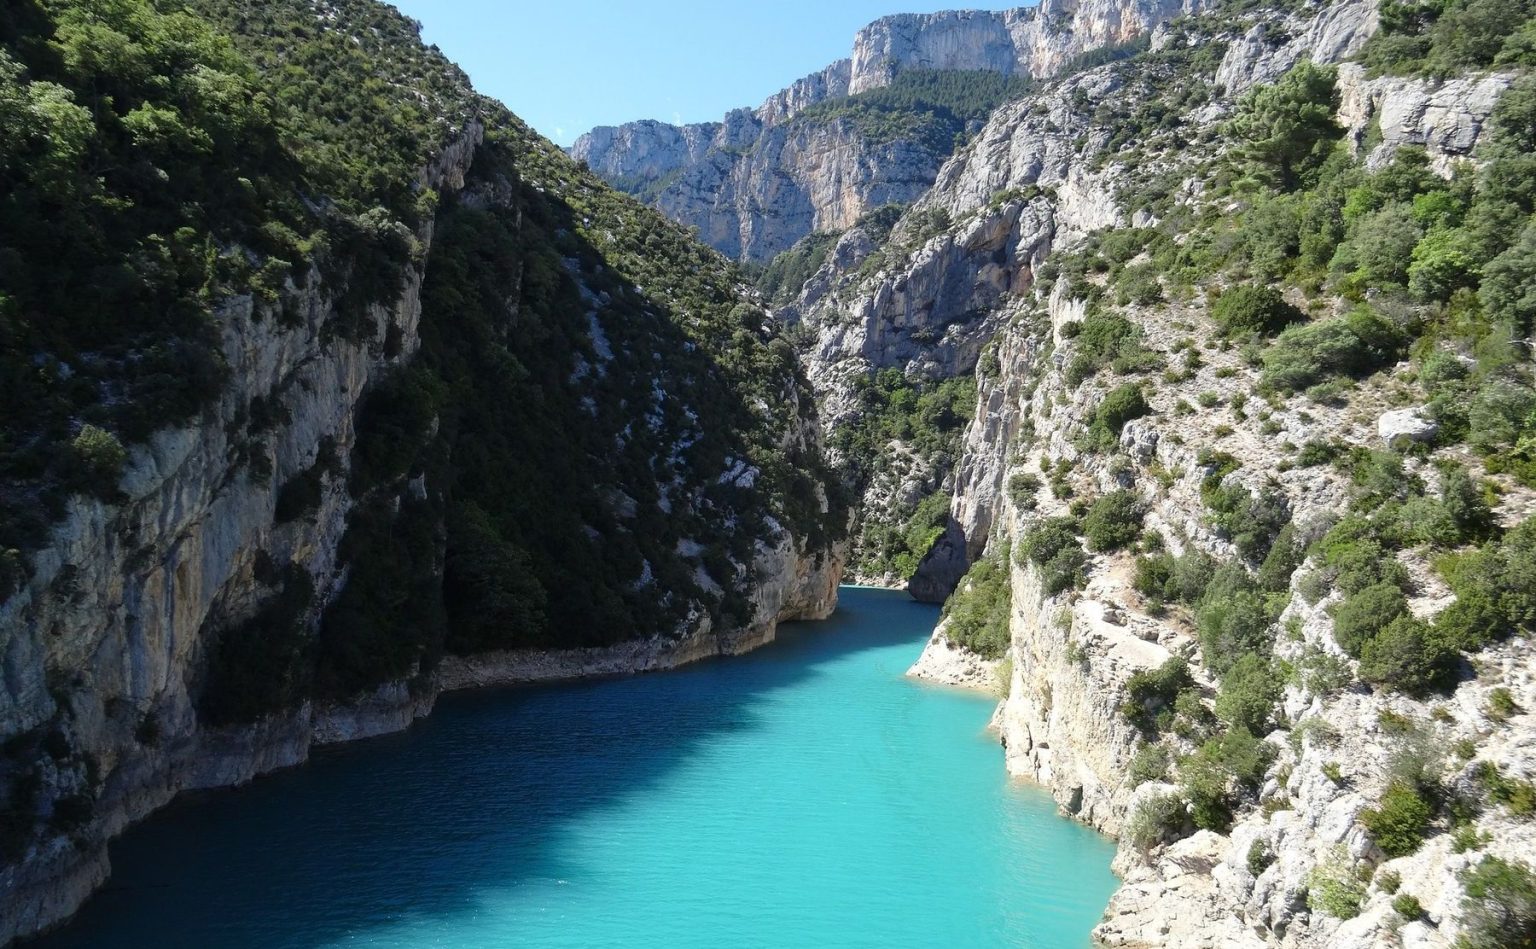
x=803, y=796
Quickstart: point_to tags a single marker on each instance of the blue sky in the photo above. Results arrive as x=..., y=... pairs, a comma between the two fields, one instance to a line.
x=567, y=65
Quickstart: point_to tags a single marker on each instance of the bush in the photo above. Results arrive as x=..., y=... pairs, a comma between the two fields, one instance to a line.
x=1114, y=521
x=1231, y=624
x=1400, y=820
x=1407, y=906
x=1359, y=617
x=1151, y=692
x=1121, y=405
x=978, y=610
x=1249, y=692
x=1350, y=345
x=1156, y=818
x=1499, y=911
x=1022, y=488
x=1409, y=656
x=1251, y=309
x=1052, y=545
x=1224, y=770
x=100, y=458
x=1335, y=888
x=1150, y=764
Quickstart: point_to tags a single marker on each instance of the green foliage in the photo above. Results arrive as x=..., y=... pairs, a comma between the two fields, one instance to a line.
x=1223, y=772
x=1233, y=619
x=1285, y=130
x=1499, y=911
x=1052, y=545
x=1517, y=795
x=1123, y=404
x=787, y=273
x=1408, y=655
x=1361, y=615
x=1400, y=820
x=1251, y=521
x=1151, y=693
x=928, y=418
x=1152, y=763
x=1495, y=595
x=1250, y=691
x=1155, y=819
x=931, y=107
x=100, y=458
x=979, y=609
x=1113, y=521
x=1103, y=340
x=1407, y=906
x=1336, y=887
x=1442, y=39
x=1022, y=490
x=490, y=586
x=1247, y=309
x=1351, y=345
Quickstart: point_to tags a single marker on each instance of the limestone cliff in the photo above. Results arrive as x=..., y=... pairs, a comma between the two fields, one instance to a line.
x=159, y=642
x=760, y=180
x=970, y=281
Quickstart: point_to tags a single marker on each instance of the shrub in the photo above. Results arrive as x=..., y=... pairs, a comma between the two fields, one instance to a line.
x=1407, y=906
x=1499, y=911
x=1156, y=818
x=1053, y=546
x=1348, y=345
x=1400, y=820
x=1501, y=705
x=1223, y=770
x=1251, y=521
x=1249, y=693
x=1150, y=764
x=1408, y=655
x=1260, y=857
x=100, y=458
x=978, y=610
x=1152, y=691
x=1113, y=521
x=1359, y=617
x=1120, y=406
x=1232, y=624
x=1252, y=309
x=1334, y=887
x=1022, y=488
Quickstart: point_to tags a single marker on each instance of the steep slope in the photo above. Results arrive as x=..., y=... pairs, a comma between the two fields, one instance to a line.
x=762, y=179
x=929, y=298
x=1246, y=496
x=371, y=393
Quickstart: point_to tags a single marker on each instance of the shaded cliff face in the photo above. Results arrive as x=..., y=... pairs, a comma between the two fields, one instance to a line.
x=760, y=180
x=510, y=462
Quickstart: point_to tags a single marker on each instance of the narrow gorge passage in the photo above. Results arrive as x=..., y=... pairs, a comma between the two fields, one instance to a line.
x=804, y=795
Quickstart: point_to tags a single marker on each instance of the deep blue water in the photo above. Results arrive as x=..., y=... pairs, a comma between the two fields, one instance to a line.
x=806, y=795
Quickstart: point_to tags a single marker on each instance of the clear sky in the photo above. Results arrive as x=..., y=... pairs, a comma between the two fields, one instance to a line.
x=567, y=65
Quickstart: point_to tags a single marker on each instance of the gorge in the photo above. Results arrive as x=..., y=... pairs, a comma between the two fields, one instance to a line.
x=1182, y=351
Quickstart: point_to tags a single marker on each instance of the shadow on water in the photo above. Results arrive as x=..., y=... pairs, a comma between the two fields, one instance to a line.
x=419, y=824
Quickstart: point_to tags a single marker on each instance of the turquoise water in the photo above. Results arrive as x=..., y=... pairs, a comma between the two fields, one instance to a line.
x=806, y=795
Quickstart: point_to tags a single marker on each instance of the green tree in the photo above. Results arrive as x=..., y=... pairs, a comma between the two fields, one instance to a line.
x=1285, y=130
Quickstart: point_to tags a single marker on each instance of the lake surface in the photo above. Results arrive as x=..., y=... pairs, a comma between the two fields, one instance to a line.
x=806, y=795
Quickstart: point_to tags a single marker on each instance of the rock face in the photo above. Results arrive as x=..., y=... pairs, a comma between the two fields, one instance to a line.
x=961, y=291
x=758, y=181
x=105, y=650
